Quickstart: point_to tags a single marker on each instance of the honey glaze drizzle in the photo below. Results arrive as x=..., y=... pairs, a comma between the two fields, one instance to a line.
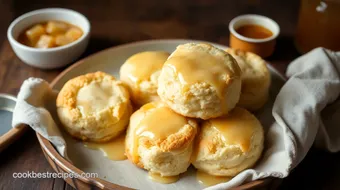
x=210, y=180
x=163, y=179
x=237, y=128
x=158, y=122
x=100, y=93
x=196, y=67
x=142, y=65
x=114, y=150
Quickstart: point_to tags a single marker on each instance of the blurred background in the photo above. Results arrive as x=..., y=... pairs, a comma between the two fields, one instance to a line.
x=130, y=20
x=121, y=21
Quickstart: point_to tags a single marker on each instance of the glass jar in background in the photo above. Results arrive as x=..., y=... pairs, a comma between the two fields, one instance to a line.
x=318, y=25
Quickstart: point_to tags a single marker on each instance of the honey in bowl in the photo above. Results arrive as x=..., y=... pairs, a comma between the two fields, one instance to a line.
x=254, y=31
x=50, y=34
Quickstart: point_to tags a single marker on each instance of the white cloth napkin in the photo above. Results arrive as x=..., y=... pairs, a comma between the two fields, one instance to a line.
x=306, y=110
x=36, y=107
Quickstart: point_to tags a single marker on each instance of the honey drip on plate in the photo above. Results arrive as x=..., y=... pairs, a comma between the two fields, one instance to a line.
x=163, y=179
x=210, y=180
x=114, y=150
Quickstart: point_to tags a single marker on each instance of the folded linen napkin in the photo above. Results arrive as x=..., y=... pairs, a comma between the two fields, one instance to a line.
x=36, y=108
x=306, y=110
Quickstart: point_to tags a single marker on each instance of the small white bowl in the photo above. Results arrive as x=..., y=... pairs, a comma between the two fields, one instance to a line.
x=53, y=57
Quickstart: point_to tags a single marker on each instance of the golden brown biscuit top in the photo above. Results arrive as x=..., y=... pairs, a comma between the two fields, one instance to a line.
x=236, y=128
x=157, y=125
x=252, y=65
x=198, y=63
x=88, y=94
x=142, y=65
x=149, y=126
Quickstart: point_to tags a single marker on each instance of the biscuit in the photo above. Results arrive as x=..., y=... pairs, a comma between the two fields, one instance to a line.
x=94, y=107
x=140, y=73
x=228, y=145
x=200, y=81
x=255, y=79
x=160, y=140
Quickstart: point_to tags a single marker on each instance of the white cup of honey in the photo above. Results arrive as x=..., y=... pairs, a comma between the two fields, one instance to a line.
x=254, y=33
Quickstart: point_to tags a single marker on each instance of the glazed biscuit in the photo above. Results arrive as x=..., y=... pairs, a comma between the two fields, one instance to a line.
x=140, y=73
x=255, y=79
x=200, y=81
x=160, y=140
x=228, y=145
x=94, y=107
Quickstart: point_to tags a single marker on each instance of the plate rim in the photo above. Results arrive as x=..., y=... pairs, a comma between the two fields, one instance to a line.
x=103, y=184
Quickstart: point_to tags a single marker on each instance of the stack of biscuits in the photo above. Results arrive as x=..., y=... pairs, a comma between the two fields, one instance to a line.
x=191, y=108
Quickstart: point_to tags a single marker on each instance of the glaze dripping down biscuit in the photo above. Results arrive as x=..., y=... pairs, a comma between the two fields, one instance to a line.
x=200, y=81
x=160, y=140
x=140, y=73
x=228, y=145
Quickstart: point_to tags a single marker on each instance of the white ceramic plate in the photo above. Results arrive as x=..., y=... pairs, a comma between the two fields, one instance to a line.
x=123, y=172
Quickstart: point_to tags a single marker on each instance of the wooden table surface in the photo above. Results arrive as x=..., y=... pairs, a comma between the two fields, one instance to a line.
x=123, y=21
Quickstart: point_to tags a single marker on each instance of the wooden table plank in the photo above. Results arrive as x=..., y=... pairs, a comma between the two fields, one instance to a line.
x=22, y=156
x=60, y=184
x=13, y=71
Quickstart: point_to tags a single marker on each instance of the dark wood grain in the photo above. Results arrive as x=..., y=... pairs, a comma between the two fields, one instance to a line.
x=22, y=156
x=123, y=21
